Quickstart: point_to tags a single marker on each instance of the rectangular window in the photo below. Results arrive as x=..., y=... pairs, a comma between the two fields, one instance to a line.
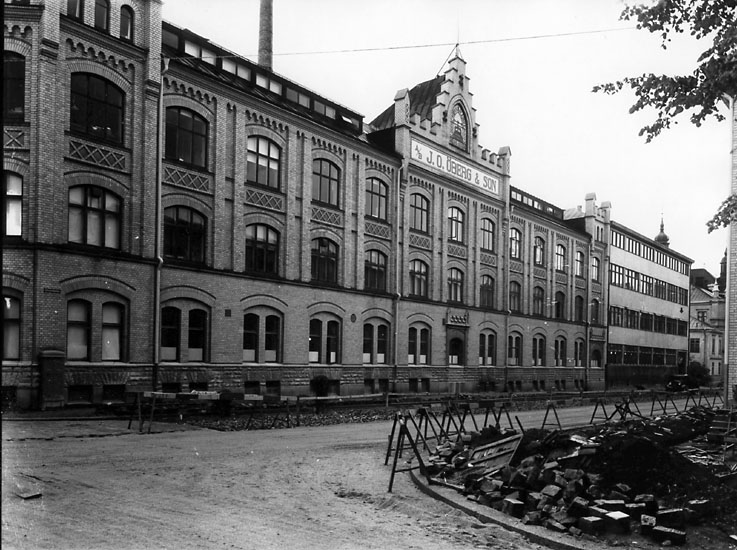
x=197, y=335
x=78, y=330
x=11, y=328
x=112, y=332
x=695, y=345
x=13, y=204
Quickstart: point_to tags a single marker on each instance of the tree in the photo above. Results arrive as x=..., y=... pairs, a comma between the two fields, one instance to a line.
x=712, y=83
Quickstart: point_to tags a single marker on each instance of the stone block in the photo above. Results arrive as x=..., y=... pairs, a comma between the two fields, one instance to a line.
x=513, y=507
x=647, y=523
x=552, y=491
x=610, y=505
x=572, y=474
x=616, y=495
x=671, y=517
x=533, y=500
x=597, y=512
x=635, y=509
x=575, y=531
x=617, y=522
x=579, y=507
x=699, y=508
x=555, y=526
x=532, y=518
x=591, y=525
x=650, y=502
x=662, y=534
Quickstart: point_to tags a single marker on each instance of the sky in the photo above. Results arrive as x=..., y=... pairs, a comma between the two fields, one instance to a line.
x=532, y=65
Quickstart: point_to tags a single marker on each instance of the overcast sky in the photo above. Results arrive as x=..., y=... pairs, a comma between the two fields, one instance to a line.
x=531, y=92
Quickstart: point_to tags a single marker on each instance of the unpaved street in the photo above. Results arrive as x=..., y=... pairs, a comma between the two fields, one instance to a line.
x=281, y=489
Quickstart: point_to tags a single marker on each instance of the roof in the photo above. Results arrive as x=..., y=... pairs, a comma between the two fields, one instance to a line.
x=422, y=98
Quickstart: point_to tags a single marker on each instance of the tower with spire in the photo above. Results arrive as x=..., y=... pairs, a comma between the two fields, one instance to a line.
x=661, y=238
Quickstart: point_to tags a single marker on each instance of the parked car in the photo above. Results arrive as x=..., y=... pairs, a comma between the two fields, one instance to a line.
x=677, y=382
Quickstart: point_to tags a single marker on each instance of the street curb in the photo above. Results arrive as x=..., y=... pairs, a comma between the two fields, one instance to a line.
x=536, y=534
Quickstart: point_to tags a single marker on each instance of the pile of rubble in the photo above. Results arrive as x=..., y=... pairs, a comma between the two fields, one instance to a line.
x=618, y=479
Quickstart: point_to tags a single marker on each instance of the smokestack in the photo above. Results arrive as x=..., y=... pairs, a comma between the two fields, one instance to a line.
x=265, y=34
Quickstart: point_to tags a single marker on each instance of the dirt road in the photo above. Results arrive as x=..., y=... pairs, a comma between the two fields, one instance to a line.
x=300, y=488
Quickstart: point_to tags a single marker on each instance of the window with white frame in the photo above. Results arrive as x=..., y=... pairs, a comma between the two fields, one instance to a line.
x=539, y=251
x=325, y=340
x=95, y=216
x=11, y=327
x=560, y=352
x=560, y=257
x=418, y=349
x=538, y=350
x=262, y=337
x=418, y=278
x=455, y=285
x=456, y=224
x=488, y=235
x=13, y=199
x=419, y=213
x=375, y=343
x=263, y=162
x=487, y=348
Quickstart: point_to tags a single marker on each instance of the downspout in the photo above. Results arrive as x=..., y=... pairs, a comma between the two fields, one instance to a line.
x=397, y=295
x=157, y=230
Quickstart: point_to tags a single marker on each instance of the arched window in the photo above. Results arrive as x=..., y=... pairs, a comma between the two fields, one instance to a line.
x=455, y=352
x=455, y=285
x=113, y=315
x=13, y=199
x=486, y=292
x=515, y=244
x=171, y=323
x=418, y=350
x=515, y=296
x=75, y=8
x=459, y=127
x=418, y=278
x=539, y=251
x=78, y=330
x=560, y=257
x=14, y=87
x=102, y=15
x=261, y=338
x=325, y=182
x=538, y=301
x=374, y=273
x=579, y=353
x=538, y=350
x=488, y=235
x=595, y=269
x=324, y=345
x=126, y=23
x=184, y=234
x=94, y=216
x=262, y=249
x=579, y=304
x=560, y=352
x=487, y=348
x=456, y=224
x=263, y=162
x=11, y=327
x=514, y=349
x=560, y=305
x=377, y=194
x=324, y=267
x=186, y=137
x=375, y=343
x=97, y=108
x=580, y=262
x=251, y=327
x=419, y=213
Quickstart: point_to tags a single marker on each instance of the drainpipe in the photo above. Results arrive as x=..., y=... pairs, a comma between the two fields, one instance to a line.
x=158, y=230
x=398, y=262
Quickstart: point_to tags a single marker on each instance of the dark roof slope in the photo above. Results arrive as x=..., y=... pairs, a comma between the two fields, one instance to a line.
x=422, y=98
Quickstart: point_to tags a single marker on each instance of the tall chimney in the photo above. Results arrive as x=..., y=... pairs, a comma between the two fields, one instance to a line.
x=265, y=34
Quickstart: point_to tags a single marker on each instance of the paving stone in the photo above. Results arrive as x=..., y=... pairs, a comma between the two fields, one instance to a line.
x=617, y=522
x=591, y=525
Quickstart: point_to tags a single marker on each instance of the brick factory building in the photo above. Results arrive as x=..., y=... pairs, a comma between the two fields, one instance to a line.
x=179, y=217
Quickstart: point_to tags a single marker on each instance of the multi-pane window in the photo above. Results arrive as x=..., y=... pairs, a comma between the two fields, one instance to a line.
x=325, y=182
x=375, y=270
x=538, y=350
x=455, y=285
x=78, y=329
x=595, y=269
x=486, y=292
x=418, y=351
x=456, y=222
x=515, y=296
x=377, y=193
x=197, y=335
x=514, y=349
x=184, y=234
x=102, y=15
x=580, y=262
x=94, y=216
x=11, y=327
x=580, y=310
x=455, y=352
x=560, y=257
x=261, y=338
x=263, y=162
x=515, y=244
x=560, y=352
x=595, y=311
x=126, y=23
x=418, y=278
x=324, y=265
x=538, y=251
x=13, y=199
x=488, y=238
x=262, y=249
x=96, y=108
x=579, y=353
x=324, y=345
x=560, y=305
x=75, y=8
x=112, y=331
x=538, y=301
x=375, y=343
x=186, y=137
x=419, y=213
x=14, y=87
x=171, y=322
x=459, y=127
x=487, y=348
